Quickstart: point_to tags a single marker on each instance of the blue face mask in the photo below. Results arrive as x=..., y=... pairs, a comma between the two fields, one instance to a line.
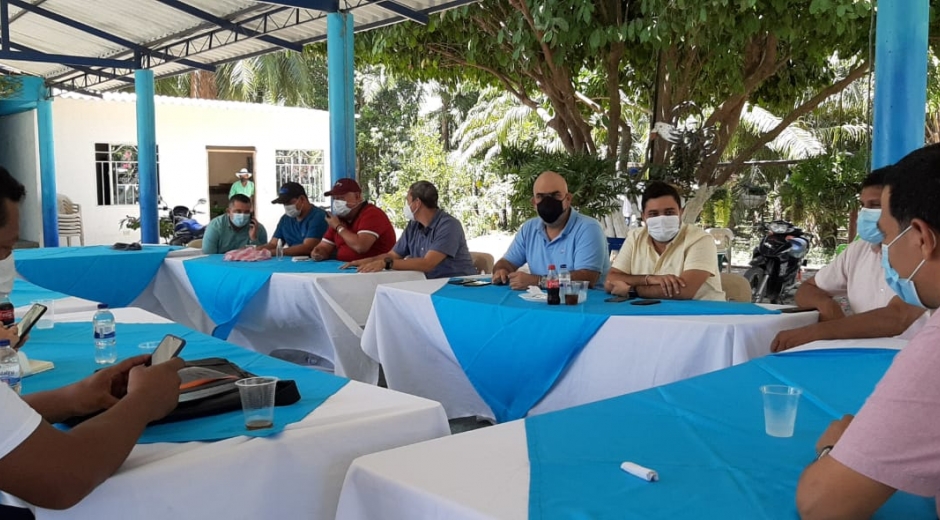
x=240, y=219
x=868, y=226
x=903, y=287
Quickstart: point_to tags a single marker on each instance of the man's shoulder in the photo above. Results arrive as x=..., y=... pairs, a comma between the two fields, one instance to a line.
x=373, y=212
x=586, y=224
x=694, y=233
x=219, y=221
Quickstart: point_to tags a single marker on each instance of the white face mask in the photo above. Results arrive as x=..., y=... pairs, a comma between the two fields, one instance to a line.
x=410, y=215
x=663, y=228
x=7, y=274
x=291, y=210
x=341, y=208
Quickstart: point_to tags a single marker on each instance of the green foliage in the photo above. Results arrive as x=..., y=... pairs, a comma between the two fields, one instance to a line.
x=718, y=209
x=8, y=86
x=821, y=192
x=593, y=182
x=132, y=222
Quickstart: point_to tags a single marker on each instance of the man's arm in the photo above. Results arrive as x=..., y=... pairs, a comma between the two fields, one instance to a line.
x=888, y=321
x=56, y=470
x=512, y=260
x=323, y=251
x=424, y=264
x=591, y=254
x=210, y=241
x=359, y=242
x=810, y=296
x=683, y=287
x=302, y=249
x=586, y=275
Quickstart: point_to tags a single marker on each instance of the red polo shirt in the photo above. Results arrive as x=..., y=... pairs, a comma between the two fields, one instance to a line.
x=370, y=220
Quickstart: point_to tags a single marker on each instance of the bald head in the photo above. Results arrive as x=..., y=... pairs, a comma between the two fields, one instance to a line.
x=550, y=182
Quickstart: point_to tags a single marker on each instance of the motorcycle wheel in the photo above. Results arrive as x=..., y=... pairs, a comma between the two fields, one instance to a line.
x=179, y=241
x=757, y=278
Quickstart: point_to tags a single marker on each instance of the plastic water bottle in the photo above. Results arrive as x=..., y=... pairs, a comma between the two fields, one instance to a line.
x=10, y=372
x=105, y=338
x=280, y=249
x=551, y=284
x=564, y=277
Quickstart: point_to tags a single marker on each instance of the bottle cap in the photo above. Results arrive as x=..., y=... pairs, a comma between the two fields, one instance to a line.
x=564, y=266
x=4, y=343
x=102, y=306
x=551, y=266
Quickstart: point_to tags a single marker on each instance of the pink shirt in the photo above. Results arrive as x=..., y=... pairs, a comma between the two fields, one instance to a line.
x=857, y=273
x=895, y=438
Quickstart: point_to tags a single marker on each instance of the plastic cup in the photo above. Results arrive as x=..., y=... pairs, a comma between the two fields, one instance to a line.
x=582, y=291
x=780, y=405
x=257, y=395
x=47, y=321
x=149, y=346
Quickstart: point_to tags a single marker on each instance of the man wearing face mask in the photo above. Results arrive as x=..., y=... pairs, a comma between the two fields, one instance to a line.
x=303, y=224
x=857, y=273
x=433, y=242
x=235, y=229
x=666, y=259
x=894, y=442
x=560, y=236
x=357, y=229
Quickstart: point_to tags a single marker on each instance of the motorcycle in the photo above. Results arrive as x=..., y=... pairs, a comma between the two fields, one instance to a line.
x=185, y=227
x=777, y=262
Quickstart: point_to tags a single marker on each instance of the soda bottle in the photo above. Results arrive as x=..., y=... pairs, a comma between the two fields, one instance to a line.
x=7, y=317
x=552, y=285
x=105, y=337
x=10, y=372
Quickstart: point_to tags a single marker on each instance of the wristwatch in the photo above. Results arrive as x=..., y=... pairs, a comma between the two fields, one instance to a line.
x=388, y=263
x=633, y=294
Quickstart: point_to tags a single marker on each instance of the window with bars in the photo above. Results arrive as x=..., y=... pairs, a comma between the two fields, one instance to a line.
x=305, y=167
x=117, y=174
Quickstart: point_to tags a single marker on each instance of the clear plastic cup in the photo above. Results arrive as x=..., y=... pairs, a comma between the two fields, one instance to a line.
x=257, y=395
x=575, y=292
x=47, y=321
x=780, y=406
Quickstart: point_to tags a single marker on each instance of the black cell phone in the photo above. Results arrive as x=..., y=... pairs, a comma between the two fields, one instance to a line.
x=29, y=320
x=617, y=299
x=168, y=349
x=457, y=281
x=646, y=302
x=796, y=310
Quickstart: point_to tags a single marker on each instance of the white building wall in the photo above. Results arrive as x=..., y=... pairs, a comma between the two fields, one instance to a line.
x=19, y=153
x=184, y=129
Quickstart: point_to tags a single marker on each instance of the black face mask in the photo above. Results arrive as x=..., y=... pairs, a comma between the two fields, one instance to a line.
x=550, y=209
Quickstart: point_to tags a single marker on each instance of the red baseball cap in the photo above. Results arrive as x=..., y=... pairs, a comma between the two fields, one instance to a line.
x=342, y=187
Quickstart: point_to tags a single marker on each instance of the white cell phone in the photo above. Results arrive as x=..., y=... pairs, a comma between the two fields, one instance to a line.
x=26, y=324
x=168, y=349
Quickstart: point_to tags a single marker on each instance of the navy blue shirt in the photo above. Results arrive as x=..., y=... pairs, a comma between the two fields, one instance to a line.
x=293, y=232
x=445, y=235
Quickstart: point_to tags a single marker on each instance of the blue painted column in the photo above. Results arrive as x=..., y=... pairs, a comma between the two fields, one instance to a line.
x=50, y=203
x=339, y=49
x=147, y=157
x=900, y=79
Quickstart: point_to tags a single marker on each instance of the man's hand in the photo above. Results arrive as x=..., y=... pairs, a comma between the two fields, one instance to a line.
x=355, y=263
x=831, y=311
x=371, y=267
x=253, y=230
x=333, y=221
x=500, y=276
x=155, y=388
x=787, y=339
x=617, y=287
x=834, y=432
x=103, y=389
x=671, y=284
x=11, y=334
x=316, y=255
x=521, y=281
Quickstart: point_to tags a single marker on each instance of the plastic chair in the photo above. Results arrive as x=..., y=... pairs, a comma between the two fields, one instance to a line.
x=736, y=287
x=724, y=242
x=70, y=220
x=482, y=262
x=195, y=244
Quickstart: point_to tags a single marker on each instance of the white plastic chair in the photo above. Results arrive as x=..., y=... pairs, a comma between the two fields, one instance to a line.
x=70, y=220
x=724, y=242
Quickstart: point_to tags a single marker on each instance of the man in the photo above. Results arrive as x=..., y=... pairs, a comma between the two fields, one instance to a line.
x=876, y=311
x=357, y=229
x=242, y=186
x=235, y=229
x=894, y=442
x=55, y=469
x=433, y=241
x=559, y=235
x=666, y=259
x=302, y=225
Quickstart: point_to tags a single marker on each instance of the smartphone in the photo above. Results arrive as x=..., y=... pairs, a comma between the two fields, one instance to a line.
x=617, y=299
x=476, y=283
x=169, y=348
x=457, y=281
x=26, y=324
x=795, y=310
x=645, y=302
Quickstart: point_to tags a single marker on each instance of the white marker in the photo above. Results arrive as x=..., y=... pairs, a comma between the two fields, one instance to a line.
x=640, y=472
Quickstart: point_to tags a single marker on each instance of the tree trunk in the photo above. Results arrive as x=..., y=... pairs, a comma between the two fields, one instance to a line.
x=694, y=206
x=202, y=85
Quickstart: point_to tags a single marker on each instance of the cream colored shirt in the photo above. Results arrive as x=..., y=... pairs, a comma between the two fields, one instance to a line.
x=692, y=248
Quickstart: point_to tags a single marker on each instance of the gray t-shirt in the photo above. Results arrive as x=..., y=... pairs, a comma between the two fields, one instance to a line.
x=445, y=235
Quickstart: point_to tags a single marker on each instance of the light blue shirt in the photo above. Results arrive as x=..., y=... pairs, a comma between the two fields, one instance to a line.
x=581, y=245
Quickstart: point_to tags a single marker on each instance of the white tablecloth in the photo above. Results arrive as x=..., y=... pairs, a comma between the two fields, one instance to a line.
x=316, y=313
x=296, y=474
x=627, y=354
x=892, y=343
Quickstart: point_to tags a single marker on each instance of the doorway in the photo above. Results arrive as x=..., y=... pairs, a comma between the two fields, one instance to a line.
x=224, y=161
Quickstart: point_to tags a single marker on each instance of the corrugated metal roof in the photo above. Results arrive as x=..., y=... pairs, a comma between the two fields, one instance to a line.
x=182, y=36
